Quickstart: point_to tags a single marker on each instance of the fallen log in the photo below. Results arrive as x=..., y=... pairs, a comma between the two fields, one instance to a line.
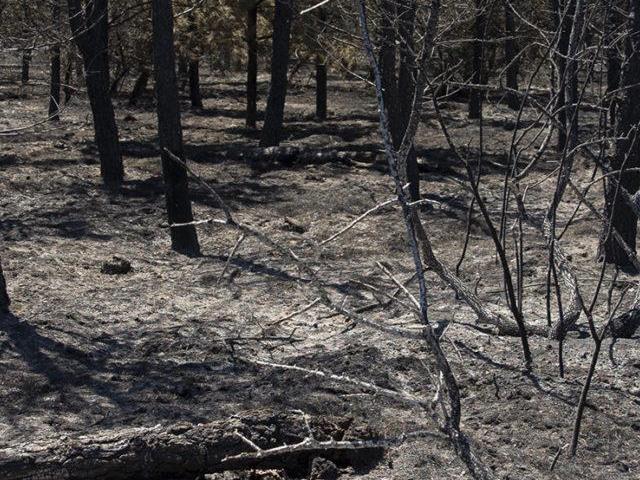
x=186, y=450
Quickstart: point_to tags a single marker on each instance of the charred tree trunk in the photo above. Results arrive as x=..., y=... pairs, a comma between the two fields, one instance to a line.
x=4, y=296
x=479, y=28
x=627, y=153
x=194, y=84
x=140, y=86
x=54, y=92
x=563, y=19
x=614, y=67
x=183, y=239
x=26, y=53
x=183, y=73
x=26, y=64
x=406, y=84
x=511, y=59
x=321, y=88
x=252, y=66
x=69, y=90
x=90, y=30
x=274, y=115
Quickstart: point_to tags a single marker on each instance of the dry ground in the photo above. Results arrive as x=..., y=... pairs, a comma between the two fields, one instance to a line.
x=87, y=351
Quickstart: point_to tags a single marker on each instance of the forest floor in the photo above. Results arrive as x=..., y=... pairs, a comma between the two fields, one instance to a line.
x=87, y=351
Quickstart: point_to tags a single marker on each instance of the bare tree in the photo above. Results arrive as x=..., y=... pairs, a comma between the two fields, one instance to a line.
x=54, y=93
x=274, y=115
x=627, y=154
x=90, y=25
x=511, y=59
x=194, y=83
x=477, y=60
x=183, y=238
x=252, y=65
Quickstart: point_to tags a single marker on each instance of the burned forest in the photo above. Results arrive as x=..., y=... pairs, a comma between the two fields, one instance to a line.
x=319, y=239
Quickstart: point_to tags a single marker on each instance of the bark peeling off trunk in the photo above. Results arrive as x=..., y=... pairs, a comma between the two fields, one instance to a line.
x=176, y=451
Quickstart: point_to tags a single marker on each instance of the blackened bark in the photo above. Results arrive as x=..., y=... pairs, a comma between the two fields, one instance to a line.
x=563, y=14
x=183, y=72
x=406, y=87
x=614, y=67
x=274, y=115
x=194, y=84
x=140, y=86
x=387, y=56
x=183, y=239
x=511, y=59
x=627, y=153
x=4, y=296
x=54, y=91
x=68, y=89
x=321, y=89
x=479, y=28
x=26, y=63
x=90, y=30
x=252, y=66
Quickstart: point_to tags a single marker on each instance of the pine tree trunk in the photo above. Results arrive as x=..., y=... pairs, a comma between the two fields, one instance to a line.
x=564, y=24
x=252, y=66
x=274, y=115
x=194, y=84
x=104, y=120
x=511, y=59
x=91, y=33
x=69, y=90
x=4, y=296
x=140, y=86
x=183, y=73
x=26, y=63
x=627, y=153
x=406, y=84
x=54, y=92
x=614, y=67
x=321, y=89
x=476, y=95
x=183, y=239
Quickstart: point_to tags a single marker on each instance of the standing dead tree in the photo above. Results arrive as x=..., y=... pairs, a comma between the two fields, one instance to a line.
x=54, y=93
x=183, y=238
x=627, y=152
x=90, y=28
x=274, y=115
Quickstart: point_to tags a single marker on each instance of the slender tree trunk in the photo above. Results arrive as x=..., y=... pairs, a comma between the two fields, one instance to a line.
x=54, y=93
x=622, y=216
x=387, y=56
x=183, y=239
x=140, y=86
x=614, y=67
x=26, y=63
x=183, y=72
x=511, y=59
x=564, y=23
x=321, y=88
x=479, y=28
x=406, y=87
x=252, y=66
x=26, y=53
x=194, y=84
x=4, y=296
x=274, y=115
x=69, y=91
x=90, y=30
